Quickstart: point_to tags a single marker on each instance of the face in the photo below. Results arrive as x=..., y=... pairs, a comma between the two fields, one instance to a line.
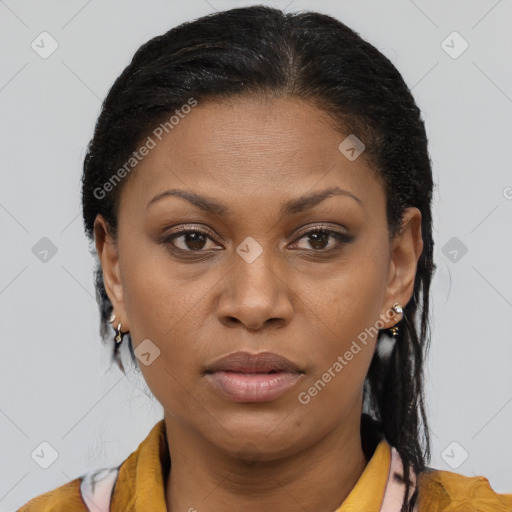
x=274, y=242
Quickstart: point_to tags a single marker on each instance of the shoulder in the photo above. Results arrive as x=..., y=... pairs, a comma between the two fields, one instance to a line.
x=91, y=491
x=445, y=491
x=96, y=489
x=66, y=498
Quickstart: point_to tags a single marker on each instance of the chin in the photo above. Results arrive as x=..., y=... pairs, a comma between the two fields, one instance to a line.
x=259, y=442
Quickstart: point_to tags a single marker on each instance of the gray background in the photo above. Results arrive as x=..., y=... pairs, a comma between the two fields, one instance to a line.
x=56, y=385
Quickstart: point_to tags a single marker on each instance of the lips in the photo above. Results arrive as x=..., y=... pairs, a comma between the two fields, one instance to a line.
x=244, y=362
x=245, y=377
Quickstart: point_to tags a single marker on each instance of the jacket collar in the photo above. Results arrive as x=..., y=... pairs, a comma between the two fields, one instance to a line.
x=141, y=481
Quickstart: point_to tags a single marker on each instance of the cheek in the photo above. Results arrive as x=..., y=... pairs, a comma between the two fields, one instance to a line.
x=351, y=299
x=167, y=307
x=159, y=296
x=342, y=356
x=345, y=327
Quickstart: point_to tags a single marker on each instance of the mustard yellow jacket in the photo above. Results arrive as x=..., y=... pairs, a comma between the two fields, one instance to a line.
x=138, y=485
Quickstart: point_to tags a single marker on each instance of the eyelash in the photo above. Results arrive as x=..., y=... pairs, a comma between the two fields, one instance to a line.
x=340, y=237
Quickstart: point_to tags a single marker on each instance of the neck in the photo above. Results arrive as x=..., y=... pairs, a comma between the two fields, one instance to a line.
x=205, y=478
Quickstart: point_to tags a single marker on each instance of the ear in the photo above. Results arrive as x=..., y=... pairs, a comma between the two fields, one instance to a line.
x=108, y=254
x=406, y=249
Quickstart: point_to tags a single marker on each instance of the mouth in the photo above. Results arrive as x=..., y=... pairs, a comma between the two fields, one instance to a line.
x=245, y=377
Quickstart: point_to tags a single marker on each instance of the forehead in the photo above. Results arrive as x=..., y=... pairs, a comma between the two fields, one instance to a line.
x=252, y=147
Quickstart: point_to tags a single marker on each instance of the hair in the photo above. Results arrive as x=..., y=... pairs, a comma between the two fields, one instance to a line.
x=315, y=58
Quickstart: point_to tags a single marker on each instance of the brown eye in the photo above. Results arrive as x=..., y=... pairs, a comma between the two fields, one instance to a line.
x=318, y=239
x=189, y=240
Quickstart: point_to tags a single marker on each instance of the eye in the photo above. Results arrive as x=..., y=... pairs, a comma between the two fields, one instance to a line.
x=189, y=240
x=318, y=239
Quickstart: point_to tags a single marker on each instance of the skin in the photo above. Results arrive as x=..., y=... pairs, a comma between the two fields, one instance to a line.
x=253, y=154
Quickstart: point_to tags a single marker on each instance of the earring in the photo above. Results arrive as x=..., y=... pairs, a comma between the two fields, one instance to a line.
x=111, y=318
x=397, y=308
x=119, y=336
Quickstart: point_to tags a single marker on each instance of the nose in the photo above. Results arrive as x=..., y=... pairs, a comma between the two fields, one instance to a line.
x=255, y=295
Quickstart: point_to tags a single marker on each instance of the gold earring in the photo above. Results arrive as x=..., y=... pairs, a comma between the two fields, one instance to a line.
x=397, y=308
x=119, y=337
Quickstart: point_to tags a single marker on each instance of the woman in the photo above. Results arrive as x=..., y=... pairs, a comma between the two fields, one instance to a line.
x=259, y=189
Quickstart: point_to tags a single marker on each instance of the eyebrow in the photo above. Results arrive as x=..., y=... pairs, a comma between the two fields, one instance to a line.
x=289, y=207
